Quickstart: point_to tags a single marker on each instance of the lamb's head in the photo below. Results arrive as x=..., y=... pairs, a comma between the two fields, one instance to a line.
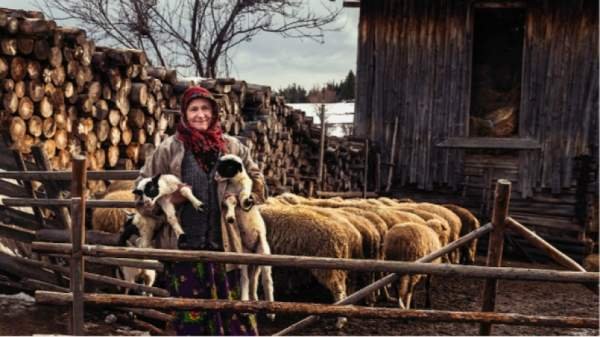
x=148, y=190
x=229, y=166
x=228, y=205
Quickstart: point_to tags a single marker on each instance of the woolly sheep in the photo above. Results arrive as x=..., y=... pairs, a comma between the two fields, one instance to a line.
x=355, y=239
x=375, y=220
x=120, y=185
x=133, y=275
x=301, y=231
x=237, y=211
x=469, y=224
x=409, y=242
x=590, y=263
x=453, y=221
x=112, y=219
x=441, y=228
x=435, y=222
x=370, y=240
x=291, y=198
x=387, y=201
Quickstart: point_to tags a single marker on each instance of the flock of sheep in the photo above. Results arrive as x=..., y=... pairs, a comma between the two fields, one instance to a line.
x=379, y=228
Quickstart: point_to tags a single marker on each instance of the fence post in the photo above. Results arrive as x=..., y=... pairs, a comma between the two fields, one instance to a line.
x=366, y=171
x=320, y=173
x=495, y=248
x=78, y=184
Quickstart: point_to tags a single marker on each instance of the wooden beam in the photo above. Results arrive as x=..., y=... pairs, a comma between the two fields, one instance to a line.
x=500, y=4
x=391, y=165
x=78, y=184
x=490, y=143
x=542, y=244
x=14, y=265
x=366, y=169
x=122, y=262
x=495, y=247
x=20, y=218
x=351, y=3
x=93, y=237
x=57, y=298
x=20, y=202
x=17, y=233
x=66, y=175
x=28, y=186
x=53, y=188
x=306, y=262
x=12, y=190
x=320, y=173
x=40, y=266
x=324, y=194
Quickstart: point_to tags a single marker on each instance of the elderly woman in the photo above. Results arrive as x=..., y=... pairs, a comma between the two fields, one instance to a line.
x=191, y=154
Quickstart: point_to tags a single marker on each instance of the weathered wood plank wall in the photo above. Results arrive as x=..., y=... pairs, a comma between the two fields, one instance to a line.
x=559, y=105
x=414, y=62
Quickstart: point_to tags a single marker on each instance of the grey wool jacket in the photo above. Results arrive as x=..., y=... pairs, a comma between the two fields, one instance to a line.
x=168, y=159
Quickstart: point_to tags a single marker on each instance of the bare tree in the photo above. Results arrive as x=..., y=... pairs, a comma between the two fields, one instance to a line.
x=196, y=34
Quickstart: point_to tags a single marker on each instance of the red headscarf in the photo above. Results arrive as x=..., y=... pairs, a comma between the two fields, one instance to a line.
x=205, y=145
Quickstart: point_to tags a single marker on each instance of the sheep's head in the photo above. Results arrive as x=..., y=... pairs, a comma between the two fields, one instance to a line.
x=148, y=190
x=441, y=228
x=229, y=166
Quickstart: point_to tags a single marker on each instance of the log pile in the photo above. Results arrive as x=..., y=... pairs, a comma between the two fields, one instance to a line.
x=283, y=141
x=59, y=89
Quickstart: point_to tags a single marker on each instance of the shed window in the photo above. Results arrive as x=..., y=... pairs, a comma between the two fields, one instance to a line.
x=496, y=81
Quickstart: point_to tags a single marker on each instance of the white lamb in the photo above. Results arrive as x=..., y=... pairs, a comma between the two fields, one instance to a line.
x=166, y=191
x=133, y=275
x=238, y=213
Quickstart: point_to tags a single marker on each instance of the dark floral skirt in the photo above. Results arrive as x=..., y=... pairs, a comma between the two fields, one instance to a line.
x=209, y=281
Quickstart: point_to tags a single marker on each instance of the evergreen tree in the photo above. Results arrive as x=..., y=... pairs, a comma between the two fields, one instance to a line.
x=347, y=87
x=294, y=93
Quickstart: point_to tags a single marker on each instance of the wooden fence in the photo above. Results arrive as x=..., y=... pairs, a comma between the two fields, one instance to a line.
x=77, y=251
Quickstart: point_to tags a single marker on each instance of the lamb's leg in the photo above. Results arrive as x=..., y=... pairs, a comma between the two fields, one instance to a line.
x=403, y=291
x=245, y=194
x=186, y=191
x=171, y=216
x=411, y=289
x=146, y=233
x=244, y=283
x=253, y=275
x=339, y=295
x=266, y=274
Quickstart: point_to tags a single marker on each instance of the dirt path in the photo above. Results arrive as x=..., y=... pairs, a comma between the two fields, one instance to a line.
x=20, y=316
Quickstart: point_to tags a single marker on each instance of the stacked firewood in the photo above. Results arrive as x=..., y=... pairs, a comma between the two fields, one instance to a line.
x=59, y=89
x=45, y=71
x=284, y=142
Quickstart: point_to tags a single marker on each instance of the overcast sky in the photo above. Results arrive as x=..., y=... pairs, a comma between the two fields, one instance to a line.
x=272, y=60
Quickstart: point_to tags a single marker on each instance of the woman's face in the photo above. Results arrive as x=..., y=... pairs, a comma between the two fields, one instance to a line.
x=199, y=114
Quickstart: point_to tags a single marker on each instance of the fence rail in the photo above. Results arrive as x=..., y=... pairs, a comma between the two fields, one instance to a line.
x=79, y=252
x=320, y=309
x=400, y=267
x=68, y=175
x=29, y=202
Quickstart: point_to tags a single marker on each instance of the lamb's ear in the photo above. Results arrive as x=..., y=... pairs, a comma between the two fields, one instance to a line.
x=156, y=178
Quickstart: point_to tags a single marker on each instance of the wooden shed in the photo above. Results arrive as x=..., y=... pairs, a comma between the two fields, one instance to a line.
x=482, y=90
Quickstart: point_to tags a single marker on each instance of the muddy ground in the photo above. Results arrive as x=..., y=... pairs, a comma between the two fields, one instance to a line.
x=20, y=316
